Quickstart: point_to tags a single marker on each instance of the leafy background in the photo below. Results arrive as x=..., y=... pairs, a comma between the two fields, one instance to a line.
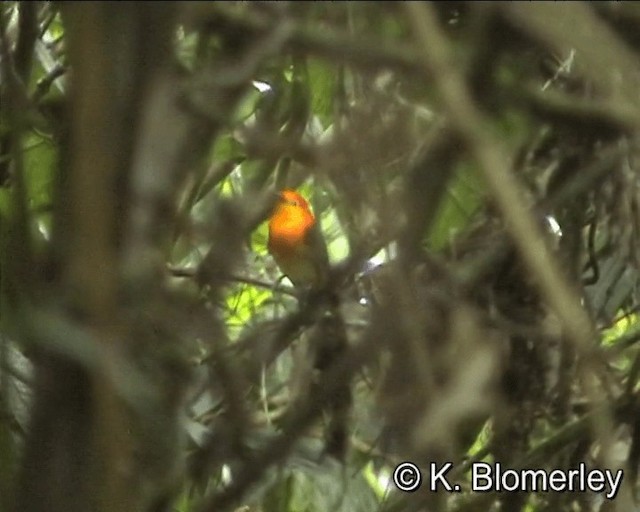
x=473, y=168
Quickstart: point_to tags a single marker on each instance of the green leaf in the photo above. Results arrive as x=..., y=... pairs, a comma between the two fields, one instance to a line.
x=247, y=105
x=464, y=197
x=40, y=156
x=242, y=305
x=322, y=79
x=326, y=488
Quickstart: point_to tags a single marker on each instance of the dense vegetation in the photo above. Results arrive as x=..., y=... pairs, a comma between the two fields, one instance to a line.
x=474, y=167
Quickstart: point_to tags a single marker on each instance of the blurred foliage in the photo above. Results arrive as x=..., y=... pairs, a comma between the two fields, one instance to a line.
x=153, y=358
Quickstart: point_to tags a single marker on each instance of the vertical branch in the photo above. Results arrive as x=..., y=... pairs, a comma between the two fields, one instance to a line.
x=78, y=424
x=27, y=36
x=90, y=267
x=86, y=433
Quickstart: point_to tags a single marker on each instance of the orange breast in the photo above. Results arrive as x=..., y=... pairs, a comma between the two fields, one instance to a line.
x=289, y=229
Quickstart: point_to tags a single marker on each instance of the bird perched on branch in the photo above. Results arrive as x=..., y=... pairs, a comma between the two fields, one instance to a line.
x=297, y=245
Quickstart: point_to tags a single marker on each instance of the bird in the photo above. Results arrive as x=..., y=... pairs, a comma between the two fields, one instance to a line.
x=298, y=247
x=296, y=242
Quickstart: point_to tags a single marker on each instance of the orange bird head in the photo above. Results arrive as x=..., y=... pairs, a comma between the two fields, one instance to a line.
x=295, y=241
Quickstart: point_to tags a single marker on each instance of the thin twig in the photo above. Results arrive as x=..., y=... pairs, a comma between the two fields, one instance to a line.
x=44, y=84
x=192, y=272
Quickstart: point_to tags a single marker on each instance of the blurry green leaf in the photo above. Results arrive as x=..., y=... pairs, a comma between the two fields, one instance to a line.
x=379, y=485
x=392, y=27
x=512, y=128
x=259, y=239
x=482, y=440
x=40, y=157
x=337, y=241
x=321, y=489
x=55, y=29
x=531, y=505
x=186, y=47
x=247, y=105
x=242, y=306
x=280, y=496
x=322, y=79
x=460, y=203
x=226, y=147
x=184, y=503
x=626, y=324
